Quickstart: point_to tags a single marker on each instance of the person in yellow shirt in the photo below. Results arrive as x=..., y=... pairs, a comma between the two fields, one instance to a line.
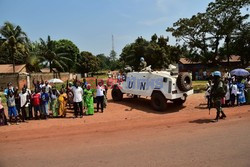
x=62, y=99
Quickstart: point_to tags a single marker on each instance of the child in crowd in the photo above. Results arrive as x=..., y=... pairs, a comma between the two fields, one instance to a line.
x=12, y=106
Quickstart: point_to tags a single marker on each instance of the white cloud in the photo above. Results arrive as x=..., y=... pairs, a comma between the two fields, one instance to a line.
x=154, y=21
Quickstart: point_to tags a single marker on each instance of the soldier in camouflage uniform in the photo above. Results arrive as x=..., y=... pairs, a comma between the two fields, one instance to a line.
x=217, y=93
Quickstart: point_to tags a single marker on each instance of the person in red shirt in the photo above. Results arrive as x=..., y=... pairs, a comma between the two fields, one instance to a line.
x=36, y=103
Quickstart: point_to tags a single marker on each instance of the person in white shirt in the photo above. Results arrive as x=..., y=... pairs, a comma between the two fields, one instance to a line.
x=78, y=92
x=234, y=93
x=109, y=74
x=227, y=95
x=100, y=95
x=47, y=87
x=208, y=91
x=204, y=75
x=24, y=104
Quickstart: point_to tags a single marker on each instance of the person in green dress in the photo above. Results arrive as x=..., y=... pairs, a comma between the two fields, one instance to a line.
x=89, y=100
x=54, y=102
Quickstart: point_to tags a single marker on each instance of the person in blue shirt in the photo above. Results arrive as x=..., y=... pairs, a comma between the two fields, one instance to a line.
x=44, y=103
x=241, y=95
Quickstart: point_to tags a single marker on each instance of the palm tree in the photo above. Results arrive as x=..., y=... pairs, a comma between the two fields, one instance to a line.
x=49, y=53
x=34, y=61
x=15, y=41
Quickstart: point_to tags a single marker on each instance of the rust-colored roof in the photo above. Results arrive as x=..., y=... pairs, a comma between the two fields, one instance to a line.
x=187, y=61
x=233, y=58
x=8, y=68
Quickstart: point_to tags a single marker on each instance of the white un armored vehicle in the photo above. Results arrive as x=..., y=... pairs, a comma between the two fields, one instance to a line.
x=161, y=86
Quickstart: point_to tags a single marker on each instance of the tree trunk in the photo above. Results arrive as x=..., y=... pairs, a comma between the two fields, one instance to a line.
x=216, y=49
x=227, y=45
x=50, y=67
x=13, y=61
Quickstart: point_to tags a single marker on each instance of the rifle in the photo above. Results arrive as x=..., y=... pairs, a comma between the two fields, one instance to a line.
x=209, y=103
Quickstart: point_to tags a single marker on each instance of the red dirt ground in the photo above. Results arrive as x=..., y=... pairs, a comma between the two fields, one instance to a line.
x=131, y=116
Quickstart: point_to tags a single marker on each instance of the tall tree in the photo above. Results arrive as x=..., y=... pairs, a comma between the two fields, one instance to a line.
x=67, y=46
x=104, y=62
x=240, y=44
x=155, y=52
x=34, y=60
x=14, y=41
x=87, y=62
x=131, y=53
x=54, y=59
x=112, y=55
x=194, y=32
x=204, y=33
x=226, y=18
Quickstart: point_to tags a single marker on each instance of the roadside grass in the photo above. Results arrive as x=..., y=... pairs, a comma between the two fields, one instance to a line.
x=103, y=76
x=199, y=86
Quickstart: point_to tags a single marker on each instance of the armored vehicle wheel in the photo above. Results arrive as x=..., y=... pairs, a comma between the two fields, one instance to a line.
x=116, y=93
x=158, y=101
x=184, y=82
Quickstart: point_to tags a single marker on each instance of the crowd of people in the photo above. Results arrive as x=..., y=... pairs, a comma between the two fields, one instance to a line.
x=228, y=91
x=237, y=90
x=46, y=101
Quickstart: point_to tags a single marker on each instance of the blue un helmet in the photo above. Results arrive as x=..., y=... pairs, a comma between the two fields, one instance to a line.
x=141, y=59
x=217, y=73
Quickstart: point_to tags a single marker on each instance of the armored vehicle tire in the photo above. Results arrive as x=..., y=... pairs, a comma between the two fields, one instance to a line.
x=179, y=101
x=158, y=101
x=116, y=93
x=184, y=82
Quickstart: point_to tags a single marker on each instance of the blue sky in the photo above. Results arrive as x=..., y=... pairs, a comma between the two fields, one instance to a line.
x=91, y=23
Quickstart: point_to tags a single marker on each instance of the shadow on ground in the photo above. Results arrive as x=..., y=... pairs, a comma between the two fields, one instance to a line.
x=144, y=104
x=202, y=121
x=201, y=106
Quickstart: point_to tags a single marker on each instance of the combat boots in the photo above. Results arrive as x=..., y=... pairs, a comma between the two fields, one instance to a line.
x=223, y=116
x=217, y=117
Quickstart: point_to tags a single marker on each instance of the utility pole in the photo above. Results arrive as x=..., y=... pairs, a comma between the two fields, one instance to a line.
x=113, y=45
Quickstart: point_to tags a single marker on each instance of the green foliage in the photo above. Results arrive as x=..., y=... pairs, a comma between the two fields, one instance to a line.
x=199, y=86
x=87, y=62
x=114, y=63
x=34, y=61
x=241, y=44
x=14, y=44
x=112, y=55
x=54, y=58
x=204, y=32
x=156, y=52
x=104, y=61
x=67, y=46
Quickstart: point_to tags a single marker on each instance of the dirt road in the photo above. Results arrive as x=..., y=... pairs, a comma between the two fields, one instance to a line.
x=132, y=134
